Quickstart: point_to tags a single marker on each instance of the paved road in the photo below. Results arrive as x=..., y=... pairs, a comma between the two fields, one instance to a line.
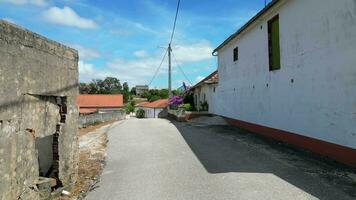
x=155, y=159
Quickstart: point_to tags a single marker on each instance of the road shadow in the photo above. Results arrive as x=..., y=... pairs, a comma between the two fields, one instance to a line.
x=224, y=149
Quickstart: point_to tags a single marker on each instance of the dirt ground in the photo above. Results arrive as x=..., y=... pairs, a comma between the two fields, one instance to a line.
x=92, y=152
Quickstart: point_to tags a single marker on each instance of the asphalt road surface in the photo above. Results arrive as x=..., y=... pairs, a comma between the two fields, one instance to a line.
x=153, y=159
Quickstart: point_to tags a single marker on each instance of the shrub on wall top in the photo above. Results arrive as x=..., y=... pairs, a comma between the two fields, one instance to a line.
x=140, y=113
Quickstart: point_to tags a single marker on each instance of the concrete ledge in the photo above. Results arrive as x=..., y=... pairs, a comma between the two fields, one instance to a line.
x=188, y=115
x=336, y=152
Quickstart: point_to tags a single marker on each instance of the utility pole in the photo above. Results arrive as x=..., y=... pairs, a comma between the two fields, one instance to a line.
x=169, y=70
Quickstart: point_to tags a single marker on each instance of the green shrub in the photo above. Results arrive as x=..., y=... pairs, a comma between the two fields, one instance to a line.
x=130, y=108
x=187, y=107
x=140, y=113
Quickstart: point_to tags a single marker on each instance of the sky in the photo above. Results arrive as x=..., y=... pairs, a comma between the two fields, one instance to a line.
x=127, y=39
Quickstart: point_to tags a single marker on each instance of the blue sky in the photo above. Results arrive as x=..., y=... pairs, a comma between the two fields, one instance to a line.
x=123, y=38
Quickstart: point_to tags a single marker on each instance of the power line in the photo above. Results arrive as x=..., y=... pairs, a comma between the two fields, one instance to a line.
x=186, y=77
x=169, y=50
x=175, y=21
x=159, y=67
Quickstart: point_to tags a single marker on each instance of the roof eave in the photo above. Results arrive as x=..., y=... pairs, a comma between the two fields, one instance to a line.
x=244, y=27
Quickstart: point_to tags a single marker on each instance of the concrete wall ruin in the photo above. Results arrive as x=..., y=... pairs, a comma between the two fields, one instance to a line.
x=38, y=114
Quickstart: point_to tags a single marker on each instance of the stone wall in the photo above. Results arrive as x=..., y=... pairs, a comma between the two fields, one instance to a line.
x=38, y=88
x=85, y=120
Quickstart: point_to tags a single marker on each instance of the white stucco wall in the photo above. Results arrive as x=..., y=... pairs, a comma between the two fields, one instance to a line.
x=152, y=112
x=318, y=51
x=208, y=90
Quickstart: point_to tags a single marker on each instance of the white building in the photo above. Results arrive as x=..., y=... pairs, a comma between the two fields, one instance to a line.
x=204, y=91
x=154, y=109
x=141, y=89
x=290, y=73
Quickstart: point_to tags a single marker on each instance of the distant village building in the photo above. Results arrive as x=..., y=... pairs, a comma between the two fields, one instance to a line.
x=154, y=109
x=99, y=103
x=204, y=91
x=290, y=73
x=141, y=89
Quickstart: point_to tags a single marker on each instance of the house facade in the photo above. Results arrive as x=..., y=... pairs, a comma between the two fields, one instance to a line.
x=204, y=92
x=154, y=109
x=94, y=103
x=290, y=74
x=141, y=89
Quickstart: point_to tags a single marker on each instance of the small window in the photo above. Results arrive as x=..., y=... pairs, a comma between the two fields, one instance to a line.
x=273, y=44
x=236, y=53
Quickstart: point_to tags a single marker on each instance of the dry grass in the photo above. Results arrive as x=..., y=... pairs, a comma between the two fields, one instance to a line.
x=91, y=163
x=89, y=129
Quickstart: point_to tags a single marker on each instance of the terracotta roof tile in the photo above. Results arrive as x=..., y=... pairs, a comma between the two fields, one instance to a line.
x=99, y=101
x=212, y=78
x=157, y=104
x=143, y=103
x=86, y=110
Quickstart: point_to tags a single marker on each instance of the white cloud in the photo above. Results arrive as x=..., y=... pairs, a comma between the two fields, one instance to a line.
x=120, y=32
x=140, y=53
x=193, y=52
x=24, y=2
x=68, y=17
x=141, y=69
x=199, y=78
x=85, y=53
x=9, y=20
x=87, y=72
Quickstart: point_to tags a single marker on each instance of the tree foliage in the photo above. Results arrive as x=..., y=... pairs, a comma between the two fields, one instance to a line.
x=110, y=85
x=140, y=113
x=155, y=94
x=126, y=92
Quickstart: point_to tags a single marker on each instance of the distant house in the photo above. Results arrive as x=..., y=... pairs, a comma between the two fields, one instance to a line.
x=204, y=91
x=141, y=89
x=92, y=103
x=290, y=73
x=154, y=109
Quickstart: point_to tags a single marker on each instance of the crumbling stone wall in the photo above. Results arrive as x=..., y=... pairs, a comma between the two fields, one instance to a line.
x=38, y=88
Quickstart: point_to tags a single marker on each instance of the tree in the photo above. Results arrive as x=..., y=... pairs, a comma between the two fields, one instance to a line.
x=133, y=91
x=126, y=92
x=109, y=85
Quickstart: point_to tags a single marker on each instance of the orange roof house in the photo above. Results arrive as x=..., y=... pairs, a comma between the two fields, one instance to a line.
x=90, y=103
x=153, y=109
x=161, y=103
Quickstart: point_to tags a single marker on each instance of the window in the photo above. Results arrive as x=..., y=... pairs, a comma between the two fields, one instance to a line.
x=273, y=44
x=236, y=53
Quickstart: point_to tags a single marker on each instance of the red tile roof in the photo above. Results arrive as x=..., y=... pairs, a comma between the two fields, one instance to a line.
x=142, y=104
x=87, y=111
x=100, y=101
x=212, y=78
x=162, y=103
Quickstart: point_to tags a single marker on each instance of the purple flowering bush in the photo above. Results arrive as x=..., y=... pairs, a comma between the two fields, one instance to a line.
x=175, y=101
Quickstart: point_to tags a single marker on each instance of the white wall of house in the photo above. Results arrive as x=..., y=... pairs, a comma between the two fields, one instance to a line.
x=318, y=52
x=204, y=93
x=152, y=112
